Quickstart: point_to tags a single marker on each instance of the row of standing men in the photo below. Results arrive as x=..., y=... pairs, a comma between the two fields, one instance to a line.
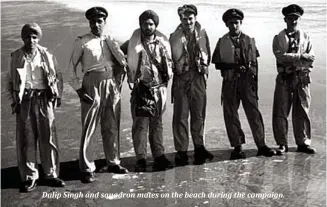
x=150, y=60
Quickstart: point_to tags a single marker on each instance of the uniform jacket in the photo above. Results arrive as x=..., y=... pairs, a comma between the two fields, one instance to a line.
x=284, y=59
x=17, y=74
x=178, y=44
x=119, y=67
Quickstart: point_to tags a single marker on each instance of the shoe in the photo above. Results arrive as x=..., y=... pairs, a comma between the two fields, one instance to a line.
x=306, y=149
x=161, y=163
x=201, y=154
x=28, y=186
x=266, y=151
x=140, y=165
x=117, y=169
x=181, y=158
x=87, y=177
x=54, y=182
x=282, y=149
x=237, y=154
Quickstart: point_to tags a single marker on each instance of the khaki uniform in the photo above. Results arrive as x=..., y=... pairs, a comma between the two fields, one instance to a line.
x=292, y=87
x=103, y=65
x=142, y=69
x=229, y=54
x=35, y=85
x=191, y=56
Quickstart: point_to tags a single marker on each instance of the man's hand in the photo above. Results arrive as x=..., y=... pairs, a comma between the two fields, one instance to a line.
x=58, y=102
x=242, y=69
x=308, y=57
x=84, y=96
x=15, y=108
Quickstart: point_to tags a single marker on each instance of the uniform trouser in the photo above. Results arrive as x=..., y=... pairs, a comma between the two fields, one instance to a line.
x=288, y=95
x=189, y=95
x=141, y=126
x=106, y=106
x=36, y=123
x=243, y=89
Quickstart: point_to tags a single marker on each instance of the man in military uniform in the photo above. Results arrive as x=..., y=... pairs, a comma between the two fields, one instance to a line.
x=235, y=56
x=191, y=57
x=35, y=87
x=294, y=57
x=103, y=65
x=149, y=61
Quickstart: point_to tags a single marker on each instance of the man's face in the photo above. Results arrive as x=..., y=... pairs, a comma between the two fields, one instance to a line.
x=188, y=21
x=97, y=25
x=234, y=25
x=148, y=27
x=291, y=21
x=30, y=41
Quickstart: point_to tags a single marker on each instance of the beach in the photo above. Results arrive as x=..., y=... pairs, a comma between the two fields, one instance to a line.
x=63, y=21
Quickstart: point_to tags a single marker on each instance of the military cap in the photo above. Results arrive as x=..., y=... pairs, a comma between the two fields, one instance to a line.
x=187, y=8
x=31, y=28
x=293, y=9
x=96, y=11
x=149, y=14
x=233, y=13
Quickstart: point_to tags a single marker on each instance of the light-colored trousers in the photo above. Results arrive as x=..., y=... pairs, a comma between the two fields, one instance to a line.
x=234, y=91
x=106, y=107
x=190, y=97
x=153, y=125
x=288, y=95
x=36, y=123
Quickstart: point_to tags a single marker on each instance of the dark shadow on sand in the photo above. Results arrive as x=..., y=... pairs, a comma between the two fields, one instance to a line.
x=10, y=178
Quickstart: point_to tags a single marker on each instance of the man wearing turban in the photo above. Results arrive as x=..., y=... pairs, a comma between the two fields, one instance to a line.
x=35, y=86
x=149, y=61
x=191, y=56
x=103, y=65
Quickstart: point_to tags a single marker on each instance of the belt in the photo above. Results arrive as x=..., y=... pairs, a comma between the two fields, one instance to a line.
x=39, y=93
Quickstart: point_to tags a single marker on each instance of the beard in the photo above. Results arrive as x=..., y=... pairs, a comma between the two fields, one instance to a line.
x=148, y=32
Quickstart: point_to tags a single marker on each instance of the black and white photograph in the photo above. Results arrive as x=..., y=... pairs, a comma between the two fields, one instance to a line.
x=198, y=103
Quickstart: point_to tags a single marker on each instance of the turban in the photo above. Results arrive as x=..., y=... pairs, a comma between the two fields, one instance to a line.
x=149, y=14
x=31, y=28
x=187, y=8
x=293, y=9
x=233, y=13
x=96, y=11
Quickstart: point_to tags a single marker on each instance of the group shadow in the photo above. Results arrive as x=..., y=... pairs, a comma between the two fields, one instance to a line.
x=69, y=171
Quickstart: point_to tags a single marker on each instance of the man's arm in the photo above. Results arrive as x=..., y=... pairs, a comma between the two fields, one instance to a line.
x=75, y=58
x=208, y=48
x=9, y=83
x=216, y=59
x=284, y=57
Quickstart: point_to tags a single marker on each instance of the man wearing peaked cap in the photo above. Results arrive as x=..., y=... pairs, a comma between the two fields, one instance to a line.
x=292, y=48
x=35, y=86
x=96, y=12
x=233, y=13
x=191, y=57
x=150, y=69
x=293, y=9
x=187, y=8
x=235, y=56
x=103, y=65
